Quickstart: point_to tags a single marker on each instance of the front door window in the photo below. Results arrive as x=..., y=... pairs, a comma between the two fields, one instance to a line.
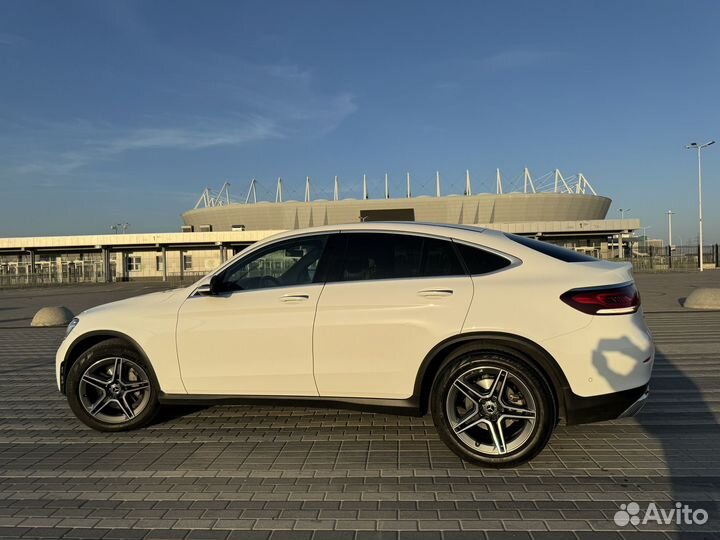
x=282, y=265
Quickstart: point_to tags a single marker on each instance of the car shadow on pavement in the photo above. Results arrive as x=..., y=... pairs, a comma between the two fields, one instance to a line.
x=691, y=465
x=170, y=413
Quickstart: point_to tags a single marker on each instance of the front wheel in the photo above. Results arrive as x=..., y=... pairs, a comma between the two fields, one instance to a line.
x=111, y=388
x=491, y=409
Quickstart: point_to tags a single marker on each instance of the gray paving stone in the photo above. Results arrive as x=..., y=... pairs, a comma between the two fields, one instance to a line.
x=256, y=472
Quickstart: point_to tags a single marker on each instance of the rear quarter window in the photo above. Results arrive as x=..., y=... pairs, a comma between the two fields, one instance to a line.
x=551, y=250
x=478, y=261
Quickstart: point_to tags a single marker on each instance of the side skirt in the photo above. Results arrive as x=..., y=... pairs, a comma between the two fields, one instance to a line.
x=404, y=407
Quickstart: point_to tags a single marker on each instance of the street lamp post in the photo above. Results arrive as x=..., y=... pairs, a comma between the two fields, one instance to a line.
x=670, y=215
x=622, y=212
x=699, y=148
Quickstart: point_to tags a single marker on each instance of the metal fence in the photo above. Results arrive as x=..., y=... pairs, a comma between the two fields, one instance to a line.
x=665, y=259
x=19, y=280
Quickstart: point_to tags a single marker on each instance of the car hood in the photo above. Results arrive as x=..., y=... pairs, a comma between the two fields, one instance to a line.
x=159, y=300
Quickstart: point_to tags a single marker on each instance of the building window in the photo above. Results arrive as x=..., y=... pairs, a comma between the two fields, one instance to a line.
x=187, y=262
x=159, y=264
x=133, y=264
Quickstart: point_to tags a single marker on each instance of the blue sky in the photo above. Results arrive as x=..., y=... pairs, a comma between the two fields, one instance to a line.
x=125, y=111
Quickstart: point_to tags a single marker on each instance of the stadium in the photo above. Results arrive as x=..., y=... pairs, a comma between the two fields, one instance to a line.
x=573, y=199
x=565, y=211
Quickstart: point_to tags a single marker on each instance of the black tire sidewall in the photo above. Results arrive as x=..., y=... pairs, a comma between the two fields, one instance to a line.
x=105, y=349
x=545, y=410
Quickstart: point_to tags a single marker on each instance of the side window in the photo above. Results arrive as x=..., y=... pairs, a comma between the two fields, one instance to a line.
x=369, y=256
x=440, y=259
x=293, y=262
x=479, y=261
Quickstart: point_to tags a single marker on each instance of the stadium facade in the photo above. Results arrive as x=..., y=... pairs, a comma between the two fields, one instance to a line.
x=467, y=210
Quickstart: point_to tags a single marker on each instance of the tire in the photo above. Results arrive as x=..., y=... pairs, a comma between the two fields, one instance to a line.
x=488, y=423
x=130, y=400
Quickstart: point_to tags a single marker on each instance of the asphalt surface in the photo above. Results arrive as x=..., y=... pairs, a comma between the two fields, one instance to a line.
x=280, y=472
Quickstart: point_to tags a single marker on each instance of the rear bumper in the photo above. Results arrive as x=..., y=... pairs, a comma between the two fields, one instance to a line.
x=584, y=410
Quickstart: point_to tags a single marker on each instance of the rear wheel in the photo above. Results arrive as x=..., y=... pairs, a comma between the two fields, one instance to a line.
x=491, y=409
x=111, y=388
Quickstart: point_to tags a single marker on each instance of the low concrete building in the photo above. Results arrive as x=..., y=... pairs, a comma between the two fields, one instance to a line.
x=118, y=257
x=188, y=255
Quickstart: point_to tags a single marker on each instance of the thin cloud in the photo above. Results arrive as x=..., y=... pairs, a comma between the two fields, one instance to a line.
x=252, y=103
x=11, y=39
x=515, y=59
x=104, y=147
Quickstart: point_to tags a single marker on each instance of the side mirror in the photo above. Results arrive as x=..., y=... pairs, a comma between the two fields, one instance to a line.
x=211, y=288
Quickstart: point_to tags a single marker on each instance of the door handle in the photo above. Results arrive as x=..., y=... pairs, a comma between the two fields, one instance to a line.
x=294, y=297
x=433, y=293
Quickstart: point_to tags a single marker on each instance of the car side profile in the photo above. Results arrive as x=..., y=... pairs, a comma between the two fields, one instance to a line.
x=498, y=336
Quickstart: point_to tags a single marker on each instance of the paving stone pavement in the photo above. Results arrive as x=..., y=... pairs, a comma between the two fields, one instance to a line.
x=280, y=472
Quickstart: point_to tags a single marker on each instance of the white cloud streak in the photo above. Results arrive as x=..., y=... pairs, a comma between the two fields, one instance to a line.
x=517, y=59
x=260, y=104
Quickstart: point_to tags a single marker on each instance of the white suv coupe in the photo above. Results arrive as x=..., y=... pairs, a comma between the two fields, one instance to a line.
x=498, y=336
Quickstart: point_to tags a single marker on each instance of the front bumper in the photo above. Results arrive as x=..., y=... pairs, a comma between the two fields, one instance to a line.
x=584, y=410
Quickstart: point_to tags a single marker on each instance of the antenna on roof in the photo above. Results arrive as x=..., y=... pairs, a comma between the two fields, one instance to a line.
x=499, y=181
x=409, y=193
x=387, y=188
x=365, y=189
x=336, y=191
x=278, y=192
x=204, y=198
x=528, y=180
x=224, y=191
x=468, y=189
x=559, y=176
x=437, y=183
x=307, y=189
x=585, y=184
x=251, y=191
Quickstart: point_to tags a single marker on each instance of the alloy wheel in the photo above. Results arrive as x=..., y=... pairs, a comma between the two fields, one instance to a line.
x=491, y=410
x=114, y=390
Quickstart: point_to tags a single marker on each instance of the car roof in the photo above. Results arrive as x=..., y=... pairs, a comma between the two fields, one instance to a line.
x=444, y=229
x=468, y=233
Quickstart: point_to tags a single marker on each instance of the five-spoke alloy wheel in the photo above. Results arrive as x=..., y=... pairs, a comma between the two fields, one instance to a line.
x=492, y=409
x=110, y=387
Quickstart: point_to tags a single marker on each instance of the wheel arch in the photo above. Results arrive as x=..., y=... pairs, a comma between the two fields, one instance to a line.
x=88, y=340
x=497, y=342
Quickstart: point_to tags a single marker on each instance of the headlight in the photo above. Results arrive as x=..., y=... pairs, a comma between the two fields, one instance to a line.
x=71, y=326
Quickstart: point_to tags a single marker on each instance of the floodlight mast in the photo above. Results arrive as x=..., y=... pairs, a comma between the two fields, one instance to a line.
x=699, y=148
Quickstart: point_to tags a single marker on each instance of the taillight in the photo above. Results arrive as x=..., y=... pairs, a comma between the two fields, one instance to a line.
x=611, y=300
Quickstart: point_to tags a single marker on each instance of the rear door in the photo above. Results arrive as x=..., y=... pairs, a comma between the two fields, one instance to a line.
x=389, y=299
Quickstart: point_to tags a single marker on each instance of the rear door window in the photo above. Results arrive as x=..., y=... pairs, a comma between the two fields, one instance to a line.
x=372, y=256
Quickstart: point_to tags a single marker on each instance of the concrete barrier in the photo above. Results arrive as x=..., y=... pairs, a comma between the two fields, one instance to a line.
x=703, y=298
x=52, y=316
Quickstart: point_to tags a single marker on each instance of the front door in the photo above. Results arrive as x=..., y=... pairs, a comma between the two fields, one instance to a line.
x=254, y=337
